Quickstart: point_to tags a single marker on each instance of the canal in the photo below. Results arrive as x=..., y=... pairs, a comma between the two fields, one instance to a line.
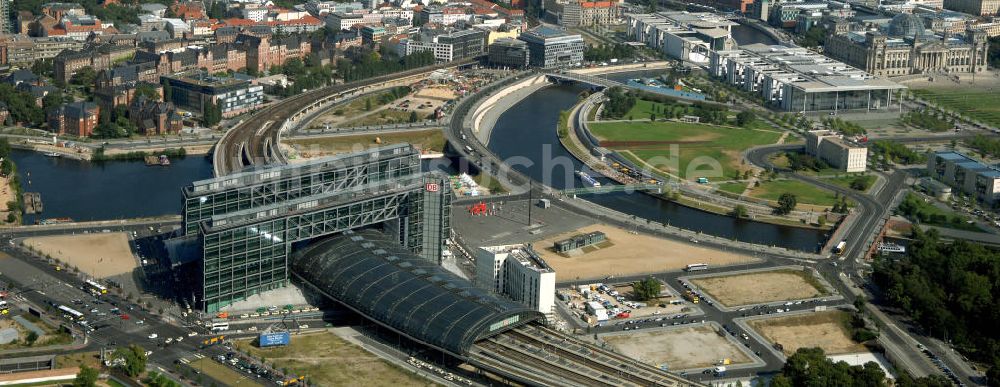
x=525, y=138
x=83, y=191
x=743, y=34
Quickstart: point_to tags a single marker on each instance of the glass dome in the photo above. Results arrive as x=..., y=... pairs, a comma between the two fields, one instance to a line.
x=906, y=24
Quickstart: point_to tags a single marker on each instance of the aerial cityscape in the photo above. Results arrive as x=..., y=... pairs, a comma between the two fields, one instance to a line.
x=500, y=193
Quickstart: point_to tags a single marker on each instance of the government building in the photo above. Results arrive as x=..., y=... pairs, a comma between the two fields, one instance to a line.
x=905, y=48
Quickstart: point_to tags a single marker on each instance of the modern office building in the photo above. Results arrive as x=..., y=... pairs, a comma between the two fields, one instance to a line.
x=795, y=79
x=549, y=47
x=5, y=17
x=682, y=35
x=194, y=90
x=832, y=148
x=447, y=47
x=509, y=53
x=518, y=273
x=967, y=175
x=246, y=223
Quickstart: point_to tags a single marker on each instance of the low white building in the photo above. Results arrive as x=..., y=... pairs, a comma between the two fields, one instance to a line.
x=836, y=151
x=518, y=273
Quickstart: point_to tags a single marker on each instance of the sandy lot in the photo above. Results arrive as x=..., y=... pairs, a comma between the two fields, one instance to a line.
x=822, y=329
x=99, y=255
x=6, y=195
x=680, y=349
x=439, y=93
x=630, y=255
x=760, y=287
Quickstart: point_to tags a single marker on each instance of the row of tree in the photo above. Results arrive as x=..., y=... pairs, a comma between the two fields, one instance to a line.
x=986, y=146
x=363, y=63
x=926, y=119
x=810, y=367
x=606, y=52
x=950, y=289
x=800, y=161
x=619, y=102
x=846, y=127
x=897, y=153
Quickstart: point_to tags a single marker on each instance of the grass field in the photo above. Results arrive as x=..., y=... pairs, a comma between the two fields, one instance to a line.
x=383, y=117
x=804, y=193
x=734, y=187
x=845, y=181
x=980, y=104
x=328, y=360
x=428, y=140
x=651, y=141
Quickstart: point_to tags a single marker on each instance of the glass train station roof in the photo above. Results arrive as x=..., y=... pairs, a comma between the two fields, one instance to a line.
x=372, y=274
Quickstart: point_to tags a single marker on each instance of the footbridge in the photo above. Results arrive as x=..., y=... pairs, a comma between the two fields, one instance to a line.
x=369, y=273
x=656, y=188
x=581, y=78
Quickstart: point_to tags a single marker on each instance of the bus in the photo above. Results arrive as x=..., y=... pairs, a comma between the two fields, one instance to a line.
x=220, y=326
x=74, y=315
x=97, y=287
x=696, y=267
x=840, y=247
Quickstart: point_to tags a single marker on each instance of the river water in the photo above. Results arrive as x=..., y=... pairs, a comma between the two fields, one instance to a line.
x=83, y=190
x=748, y=35
x=524, y=137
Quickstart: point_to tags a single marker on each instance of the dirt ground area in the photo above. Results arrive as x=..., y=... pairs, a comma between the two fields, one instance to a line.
x=100, y=255
x=631, y=254
x=760, y=287
x=426, y=141
x=6, y=195
x=826, y=330
x=332, y=361
x=679, y=349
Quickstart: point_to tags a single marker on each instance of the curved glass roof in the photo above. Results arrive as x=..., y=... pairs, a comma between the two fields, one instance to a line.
x=371, y=273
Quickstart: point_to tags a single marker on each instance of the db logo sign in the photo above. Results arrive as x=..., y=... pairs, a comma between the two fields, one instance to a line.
x=432, y=187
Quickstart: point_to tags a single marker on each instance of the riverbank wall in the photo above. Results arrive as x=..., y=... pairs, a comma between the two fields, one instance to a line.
x=488, y=112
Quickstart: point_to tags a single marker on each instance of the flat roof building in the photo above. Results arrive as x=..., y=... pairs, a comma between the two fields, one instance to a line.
x=835, y=150
x=968, y=175
x=196, y=89
x=682, y=35
x=549, y=47
x=798, y=80
x=518, y=273
x=508, y=52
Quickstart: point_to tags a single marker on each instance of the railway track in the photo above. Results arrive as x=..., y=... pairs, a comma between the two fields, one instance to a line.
x=519, y=357
x=255, y=140
x=627, y=369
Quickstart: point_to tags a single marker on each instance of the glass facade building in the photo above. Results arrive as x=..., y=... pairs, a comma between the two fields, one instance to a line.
x=246, y=223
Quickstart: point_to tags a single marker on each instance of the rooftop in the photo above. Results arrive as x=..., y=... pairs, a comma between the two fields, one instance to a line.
x=805, y=69
x=523, y=254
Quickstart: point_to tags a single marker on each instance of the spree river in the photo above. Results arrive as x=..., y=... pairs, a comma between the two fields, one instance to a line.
x=83, y=191
x=525, y=137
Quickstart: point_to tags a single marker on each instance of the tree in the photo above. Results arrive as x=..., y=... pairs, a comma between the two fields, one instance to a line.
x=860, y=183
x=786, y=203
x=740, y=211
x=211, y=114
x=168, y=91
x=368, y=104
x=745, y=118
x=859, y=303
x=147, y=90
x=87, y=377
x=31, y=338
x=413, y=116
x=85, y=77
x=218, y=10
x=993, y=374
x=646, y=289
x=52, y=101
x=134, y=358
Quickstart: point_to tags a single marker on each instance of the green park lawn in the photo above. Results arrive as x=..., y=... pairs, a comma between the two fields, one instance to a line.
x=652, y=142
x=982, y=104
x=846, y=180
x=736, y=187
x=804, y=193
